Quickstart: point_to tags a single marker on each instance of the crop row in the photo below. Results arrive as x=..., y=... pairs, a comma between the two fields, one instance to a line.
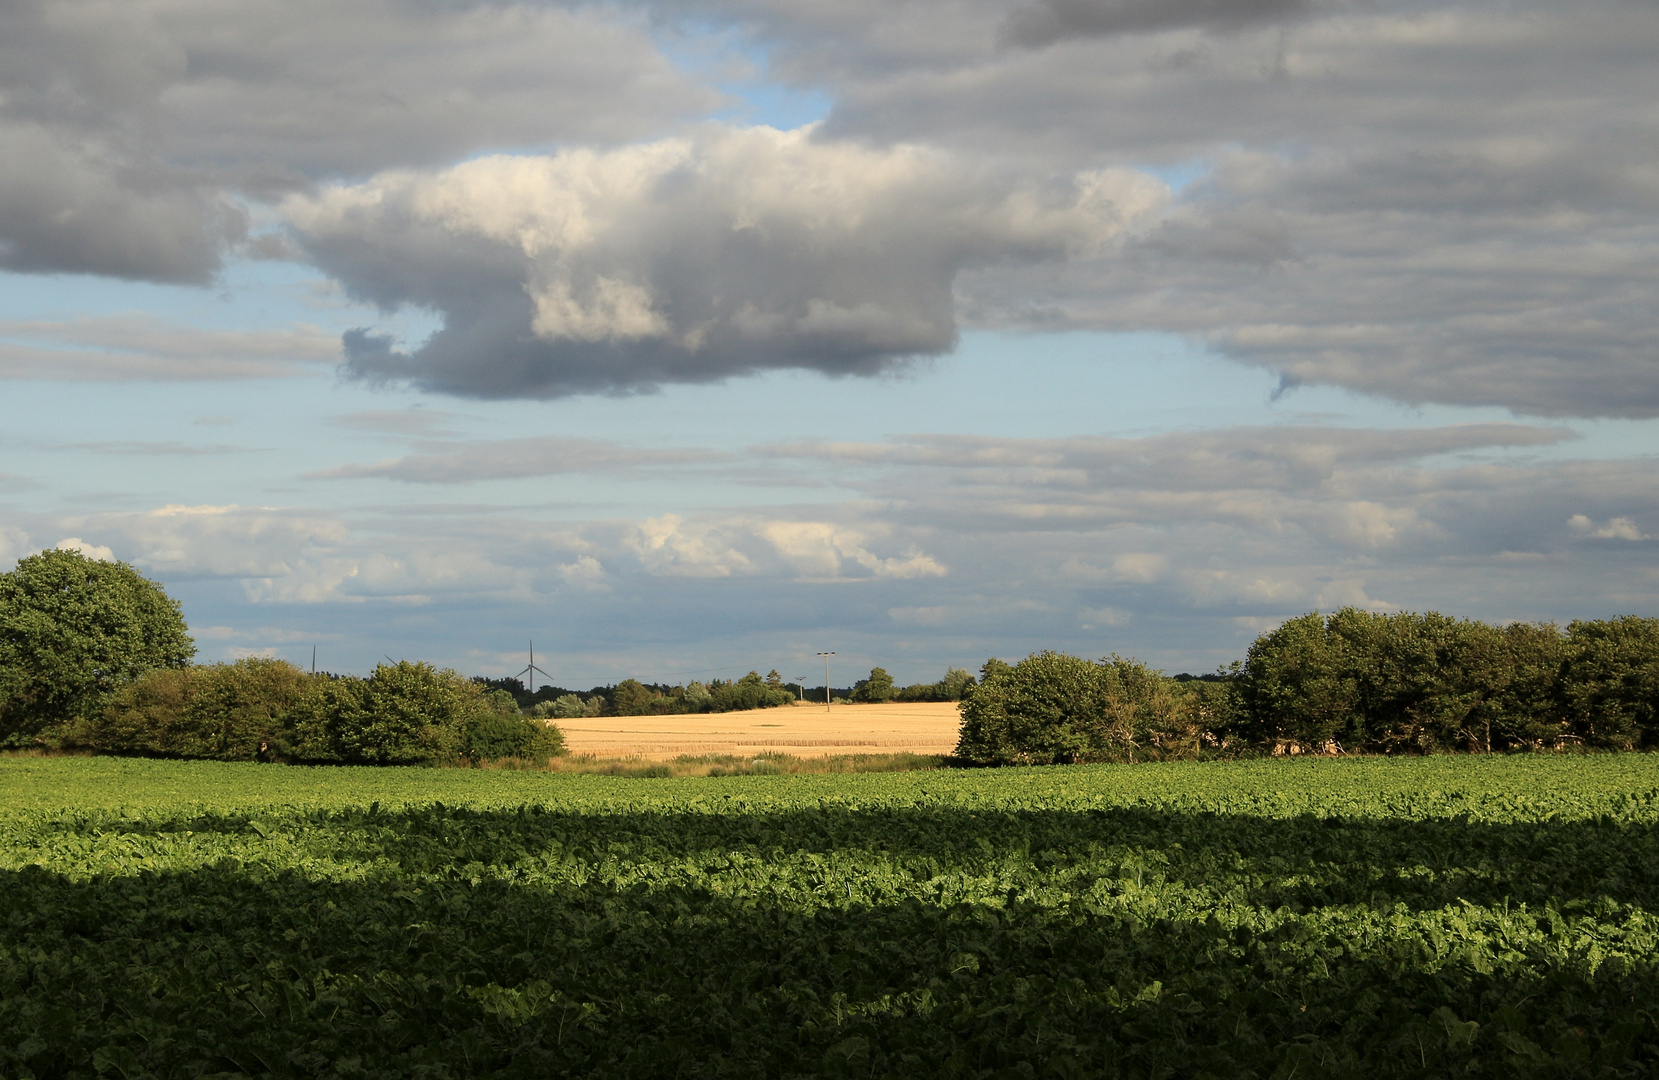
x=1239, y=919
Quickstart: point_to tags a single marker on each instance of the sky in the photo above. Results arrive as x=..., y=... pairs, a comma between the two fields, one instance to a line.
x=684, y=338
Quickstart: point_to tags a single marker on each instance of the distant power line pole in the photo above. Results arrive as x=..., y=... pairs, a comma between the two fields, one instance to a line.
x=826, y=656
x=800, y=684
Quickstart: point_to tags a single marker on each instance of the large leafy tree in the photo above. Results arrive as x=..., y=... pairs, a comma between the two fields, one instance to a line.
x=877, y=688
x=74, y=630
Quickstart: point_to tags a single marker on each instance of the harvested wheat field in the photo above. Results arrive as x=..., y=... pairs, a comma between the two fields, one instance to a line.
x=802, y=731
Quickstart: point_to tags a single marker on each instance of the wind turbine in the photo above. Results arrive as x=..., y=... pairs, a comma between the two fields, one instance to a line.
x=533, y=670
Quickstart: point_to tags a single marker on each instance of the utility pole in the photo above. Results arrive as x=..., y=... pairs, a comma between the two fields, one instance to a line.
x=800, y=684
x=826, y=656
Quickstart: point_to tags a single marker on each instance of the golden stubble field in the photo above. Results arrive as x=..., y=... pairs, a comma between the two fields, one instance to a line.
x=802, y=731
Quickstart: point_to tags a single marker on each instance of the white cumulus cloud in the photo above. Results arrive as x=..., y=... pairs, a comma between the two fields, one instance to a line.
x=1618, y=528
x=693, y=258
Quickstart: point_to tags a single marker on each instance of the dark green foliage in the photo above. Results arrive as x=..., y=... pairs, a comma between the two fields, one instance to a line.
x=403, y=714
x=268, y=710
x=918, y=692
x=875, y=689
x=955, y=683
x=566, y=707
x=225, y=712
x=1487, y=918
x=1213, y=707
x=1610, y=682
x=1425, y=683
x=74, y=630
x=523, y=695
x=749, y=692
x=499, y=730
x=993, y=666
x=630, y=698
x=1052, y=708
x=1524, y=710
x=1379, y=682
x=1300, y=685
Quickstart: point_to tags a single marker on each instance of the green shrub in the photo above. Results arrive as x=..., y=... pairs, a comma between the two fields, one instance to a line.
x=918, y=692
x=501, y=734
x=225, y=712
x=1052, y=708
x=1405, y=682
x=955, y=684
x=404, y=714
x=259, y=709
x=563, y=707
x=1523, y=709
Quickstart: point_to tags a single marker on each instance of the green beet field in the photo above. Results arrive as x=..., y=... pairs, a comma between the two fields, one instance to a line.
x=1449, y=916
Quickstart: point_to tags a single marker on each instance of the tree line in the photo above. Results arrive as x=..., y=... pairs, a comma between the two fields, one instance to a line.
x=94, y=655
x=1348, y=682
x=259, y=709
x=631, y=697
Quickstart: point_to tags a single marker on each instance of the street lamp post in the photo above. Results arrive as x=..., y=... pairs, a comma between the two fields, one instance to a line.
x=826, y=656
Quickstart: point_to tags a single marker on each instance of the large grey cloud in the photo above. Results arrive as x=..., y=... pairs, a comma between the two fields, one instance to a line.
x=131, y=132
x=691, y=259
x=1451, y=204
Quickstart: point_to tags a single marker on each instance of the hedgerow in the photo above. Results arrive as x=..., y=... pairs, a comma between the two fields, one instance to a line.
x=1349, y=682
x=268, y=710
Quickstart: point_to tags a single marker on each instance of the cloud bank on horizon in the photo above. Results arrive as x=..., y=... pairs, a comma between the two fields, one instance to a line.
x=950, y=542
x=1434, y=203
